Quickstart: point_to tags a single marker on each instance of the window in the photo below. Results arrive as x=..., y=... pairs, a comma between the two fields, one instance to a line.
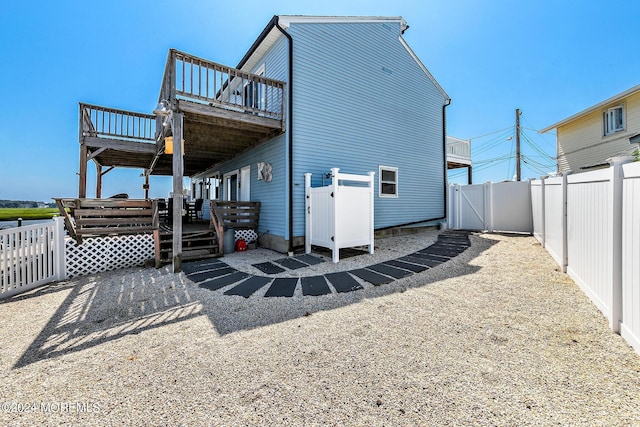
x=614, y=120
x=388, y=181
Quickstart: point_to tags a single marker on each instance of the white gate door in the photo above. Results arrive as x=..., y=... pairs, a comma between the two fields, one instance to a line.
x=470, y=209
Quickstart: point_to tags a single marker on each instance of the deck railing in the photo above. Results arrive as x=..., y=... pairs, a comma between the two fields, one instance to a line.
x=459, y=148
x=195, y=79
x=113, y=123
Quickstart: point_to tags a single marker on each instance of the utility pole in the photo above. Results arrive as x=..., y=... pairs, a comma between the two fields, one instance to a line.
x=518, y=175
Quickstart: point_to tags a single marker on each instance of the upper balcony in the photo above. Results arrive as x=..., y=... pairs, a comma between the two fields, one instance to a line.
x=458, y=153
x=225, y=112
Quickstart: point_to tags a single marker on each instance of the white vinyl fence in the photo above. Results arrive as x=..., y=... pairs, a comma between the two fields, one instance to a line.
x=590, y=224
x=30, y=256
x=339, y=215
x=502, y=206
x=38, y=254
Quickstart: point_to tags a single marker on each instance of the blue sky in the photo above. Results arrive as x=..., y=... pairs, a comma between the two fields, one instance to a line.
x=549, y=58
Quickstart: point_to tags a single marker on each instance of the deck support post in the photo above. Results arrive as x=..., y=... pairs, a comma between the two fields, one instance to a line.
x=178, y=182
x=98, y=181
x=82, y=176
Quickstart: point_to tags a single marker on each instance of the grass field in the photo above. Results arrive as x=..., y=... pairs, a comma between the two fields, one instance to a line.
x=12, y=214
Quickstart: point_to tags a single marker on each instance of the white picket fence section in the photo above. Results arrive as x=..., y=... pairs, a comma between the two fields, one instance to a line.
x=501, y=206
x=590, y=224
x=30, y=256
x=38, y=254
x=339, y=215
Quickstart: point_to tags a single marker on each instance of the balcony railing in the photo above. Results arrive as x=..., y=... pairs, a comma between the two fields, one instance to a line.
x=116, y=124
x=195, y=79
x=459, y=149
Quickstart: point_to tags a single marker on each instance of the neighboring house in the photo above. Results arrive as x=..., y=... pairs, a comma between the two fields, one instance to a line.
x=313, y=93
x=610, y=128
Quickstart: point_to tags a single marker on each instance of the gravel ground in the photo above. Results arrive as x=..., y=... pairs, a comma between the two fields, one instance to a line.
x=496, y=336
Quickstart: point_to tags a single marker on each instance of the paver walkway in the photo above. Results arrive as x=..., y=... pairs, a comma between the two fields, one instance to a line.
x=214, y=274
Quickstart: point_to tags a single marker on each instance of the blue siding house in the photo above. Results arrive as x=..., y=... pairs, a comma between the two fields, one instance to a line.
x=311, y=94
x=358, y=98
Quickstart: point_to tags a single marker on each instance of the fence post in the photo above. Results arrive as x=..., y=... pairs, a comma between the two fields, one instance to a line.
x=308, y=214
x=335, y=205
x=451, y=209
x=371, y=212
x=565, y=255
x=616, y=241
x=456, y=205
x=488, y=206
x=59, y=248
x=543, y=208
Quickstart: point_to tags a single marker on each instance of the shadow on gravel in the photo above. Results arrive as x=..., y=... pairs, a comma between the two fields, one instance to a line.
x=105, y=307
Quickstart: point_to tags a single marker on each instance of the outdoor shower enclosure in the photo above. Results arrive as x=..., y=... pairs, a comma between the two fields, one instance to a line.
x=339, y=215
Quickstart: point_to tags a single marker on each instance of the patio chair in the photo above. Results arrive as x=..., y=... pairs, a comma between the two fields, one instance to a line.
x=196, y=212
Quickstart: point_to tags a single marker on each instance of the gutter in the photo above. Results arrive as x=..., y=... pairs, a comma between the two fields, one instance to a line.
x=289, y=129
x=447, y=102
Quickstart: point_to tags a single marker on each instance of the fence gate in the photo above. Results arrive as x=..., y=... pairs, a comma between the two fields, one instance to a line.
x=502, y=206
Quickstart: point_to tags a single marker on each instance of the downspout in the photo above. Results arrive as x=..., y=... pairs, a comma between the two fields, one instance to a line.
x=444, y=151
x=290, y=133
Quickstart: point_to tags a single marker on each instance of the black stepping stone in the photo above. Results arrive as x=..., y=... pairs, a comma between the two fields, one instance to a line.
x=268, y=268
x=315, y=285
x=249, y=286
x=282, y=287
x=371, y=276
x=291, y=263
x=444, y=247
x=192, y=267
x=309, y=259
x=221, y=282
x=421, y=260
x=203, y=275
x=387, y=270
x=343, y=282
x=405, y=265
x=452, y=245
x=425, y=253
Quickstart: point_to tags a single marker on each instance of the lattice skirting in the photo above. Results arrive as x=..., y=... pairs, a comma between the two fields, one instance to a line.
x=97, y=254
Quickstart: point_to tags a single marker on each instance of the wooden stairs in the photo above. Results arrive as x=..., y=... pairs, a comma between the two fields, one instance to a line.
x=196, y=244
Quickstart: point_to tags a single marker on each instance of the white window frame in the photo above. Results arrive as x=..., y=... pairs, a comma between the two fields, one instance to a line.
x=609, y=122
x=393, y=169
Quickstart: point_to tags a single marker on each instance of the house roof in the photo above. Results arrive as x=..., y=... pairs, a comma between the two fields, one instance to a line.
x=272, y=32
x=596, y=107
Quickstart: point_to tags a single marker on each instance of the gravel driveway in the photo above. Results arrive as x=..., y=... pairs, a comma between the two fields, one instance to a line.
x=496, y=336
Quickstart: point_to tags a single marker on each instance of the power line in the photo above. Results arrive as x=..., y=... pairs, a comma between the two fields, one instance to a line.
x=490, y=133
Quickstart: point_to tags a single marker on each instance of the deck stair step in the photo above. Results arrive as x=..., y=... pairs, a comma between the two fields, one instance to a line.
x=195, y=245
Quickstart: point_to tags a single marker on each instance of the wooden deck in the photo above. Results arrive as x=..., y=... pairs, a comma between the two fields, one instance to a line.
x=212, y=111
x=225, y=111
